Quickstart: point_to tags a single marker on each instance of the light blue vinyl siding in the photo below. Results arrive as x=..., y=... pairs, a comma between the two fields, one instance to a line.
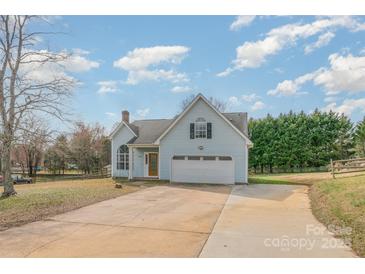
x=120, y=138
x=225, y=142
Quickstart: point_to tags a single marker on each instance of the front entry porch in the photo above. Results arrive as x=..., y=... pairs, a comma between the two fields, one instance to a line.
x=144, y=162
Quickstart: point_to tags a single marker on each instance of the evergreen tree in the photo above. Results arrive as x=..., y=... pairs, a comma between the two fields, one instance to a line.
x=299, y=140
x=359, y=137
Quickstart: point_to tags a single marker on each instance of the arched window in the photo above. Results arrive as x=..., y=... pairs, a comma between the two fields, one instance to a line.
x=123, y=157
x=200, y=128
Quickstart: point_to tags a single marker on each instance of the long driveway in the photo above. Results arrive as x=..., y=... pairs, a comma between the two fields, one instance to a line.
x=181, y=221
x=161, y=221
x=271, y=221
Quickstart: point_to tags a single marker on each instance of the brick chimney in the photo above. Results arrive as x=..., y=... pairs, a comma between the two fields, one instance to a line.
x=125, y=116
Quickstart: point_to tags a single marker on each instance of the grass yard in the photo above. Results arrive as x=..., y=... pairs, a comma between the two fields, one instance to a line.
x=337, y=203
x=308, y=178
x=341, y=202
x=42, y=200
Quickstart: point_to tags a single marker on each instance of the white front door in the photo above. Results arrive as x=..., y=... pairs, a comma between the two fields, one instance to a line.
x=203, y=169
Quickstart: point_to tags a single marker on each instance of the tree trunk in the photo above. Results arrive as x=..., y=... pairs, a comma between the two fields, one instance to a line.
x=6, y=165
x=30, y=168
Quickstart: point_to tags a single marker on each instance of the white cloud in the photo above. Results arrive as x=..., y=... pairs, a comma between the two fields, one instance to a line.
x=181, y=89
x=347, y=107
x=43, y=66
x=254, y=54
x=142, y=113
x=234, y=101
x=242, y=21
x=346, y=74
x=141, y=58
x=135, y=77
x=107, y=87
x=141, y=64
x=38, y=70
x=330, y=99
x=323, y=40
x=250, y=97
x=78, y=62
x=279, y=70
x=289, y=87
x=110, y=114
x=225, y=73
x=258, y=105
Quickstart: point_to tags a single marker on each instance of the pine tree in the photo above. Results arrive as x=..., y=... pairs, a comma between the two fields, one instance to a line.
x=359, y=138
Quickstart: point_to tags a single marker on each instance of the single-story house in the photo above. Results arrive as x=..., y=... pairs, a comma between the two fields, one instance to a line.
x=200, y=145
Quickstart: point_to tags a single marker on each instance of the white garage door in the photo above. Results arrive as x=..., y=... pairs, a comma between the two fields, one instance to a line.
x=203, y=169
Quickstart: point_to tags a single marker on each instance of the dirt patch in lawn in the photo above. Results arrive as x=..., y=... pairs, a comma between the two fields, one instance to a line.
x=42, y=200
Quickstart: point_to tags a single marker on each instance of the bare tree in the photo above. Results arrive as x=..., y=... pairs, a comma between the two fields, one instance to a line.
x=219, y=104
x=87, y=146
x=31, y=81
x=34, y=135
x=19, y=158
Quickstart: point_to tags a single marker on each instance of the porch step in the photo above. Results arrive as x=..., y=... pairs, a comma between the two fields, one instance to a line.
x=144, y=179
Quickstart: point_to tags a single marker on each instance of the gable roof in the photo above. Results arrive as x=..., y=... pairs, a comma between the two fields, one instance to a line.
x=239, y=120
x=192, y=103
x=131, y=127
x=149, y=130
x=153, y=130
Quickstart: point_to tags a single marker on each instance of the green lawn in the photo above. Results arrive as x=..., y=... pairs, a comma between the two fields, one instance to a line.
x=308, y=178
x=338, y=203
x=272, y=180
x=41, y=200
x=341, y=202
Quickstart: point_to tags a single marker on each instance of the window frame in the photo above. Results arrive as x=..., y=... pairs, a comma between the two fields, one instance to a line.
x=224, y=158
x=123, y=158
x=200, y=128
x=194, y=158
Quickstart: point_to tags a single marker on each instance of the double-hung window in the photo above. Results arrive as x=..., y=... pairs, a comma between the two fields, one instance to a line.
x=200, y=128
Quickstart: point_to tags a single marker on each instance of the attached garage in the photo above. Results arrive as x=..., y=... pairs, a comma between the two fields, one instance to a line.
x=202, y=169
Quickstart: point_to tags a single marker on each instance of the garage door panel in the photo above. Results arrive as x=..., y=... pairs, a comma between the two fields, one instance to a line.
x=203, y=171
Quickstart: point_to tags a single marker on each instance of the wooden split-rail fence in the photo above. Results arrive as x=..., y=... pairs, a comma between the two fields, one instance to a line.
x=346, y=166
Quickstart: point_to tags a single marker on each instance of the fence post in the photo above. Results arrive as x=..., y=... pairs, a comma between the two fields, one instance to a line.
x=332, y=170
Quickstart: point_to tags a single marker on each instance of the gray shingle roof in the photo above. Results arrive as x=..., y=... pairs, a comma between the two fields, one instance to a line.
x=239, y=120
x=148, y=131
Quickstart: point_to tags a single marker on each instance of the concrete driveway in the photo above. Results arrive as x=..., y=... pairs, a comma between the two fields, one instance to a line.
x=182, y=221
x=271, y=221
x=161, y=221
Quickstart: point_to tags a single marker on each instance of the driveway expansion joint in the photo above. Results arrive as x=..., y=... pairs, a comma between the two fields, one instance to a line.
x=129, y=226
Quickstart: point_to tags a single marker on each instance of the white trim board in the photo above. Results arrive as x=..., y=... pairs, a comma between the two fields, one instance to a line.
x=146, y=166
x=200, y=96
x=119, y=127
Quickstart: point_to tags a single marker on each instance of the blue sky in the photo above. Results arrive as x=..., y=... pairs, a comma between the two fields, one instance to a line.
x=262, y=64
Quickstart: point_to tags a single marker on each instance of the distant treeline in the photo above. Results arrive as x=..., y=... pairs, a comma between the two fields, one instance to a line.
x=298, y=140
